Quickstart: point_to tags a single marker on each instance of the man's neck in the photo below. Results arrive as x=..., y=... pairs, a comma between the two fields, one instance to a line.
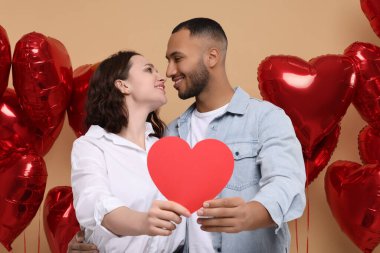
x=214, y=97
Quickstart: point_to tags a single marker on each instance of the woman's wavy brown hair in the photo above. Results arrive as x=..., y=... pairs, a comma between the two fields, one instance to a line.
x=105, y=103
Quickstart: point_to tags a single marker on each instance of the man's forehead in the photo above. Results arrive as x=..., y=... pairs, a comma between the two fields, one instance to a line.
x=181, y=40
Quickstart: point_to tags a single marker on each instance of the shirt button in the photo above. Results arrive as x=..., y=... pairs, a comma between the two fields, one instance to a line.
x=219, y=249
x=237, y=153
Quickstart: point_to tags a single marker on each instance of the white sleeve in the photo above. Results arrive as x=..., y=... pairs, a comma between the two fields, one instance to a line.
x=91, y=187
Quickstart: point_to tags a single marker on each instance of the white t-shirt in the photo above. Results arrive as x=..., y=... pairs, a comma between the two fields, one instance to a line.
x=199, y=240
x=108, y=172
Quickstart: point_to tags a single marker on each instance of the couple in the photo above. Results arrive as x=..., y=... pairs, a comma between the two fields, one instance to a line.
x=116, y=202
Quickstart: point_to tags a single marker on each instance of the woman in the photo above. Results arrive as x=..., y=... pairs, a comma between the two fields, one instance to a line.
x=115, y=200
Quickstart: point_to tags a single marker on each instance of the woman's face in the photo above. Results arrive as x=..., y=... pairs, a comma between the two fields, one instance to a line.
x=146, y=85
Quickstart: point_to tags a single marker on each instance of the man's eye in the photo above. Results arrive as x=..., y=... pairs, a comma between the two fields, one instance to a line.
x=177, y=59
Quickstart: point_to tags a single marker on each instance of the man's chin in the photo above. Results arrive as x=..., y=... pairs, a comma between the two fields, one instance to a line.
x=184, y=96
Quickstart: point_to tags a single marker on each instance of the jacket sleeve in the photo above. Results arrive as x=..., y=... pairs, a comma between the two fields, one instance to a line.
x=282, y=185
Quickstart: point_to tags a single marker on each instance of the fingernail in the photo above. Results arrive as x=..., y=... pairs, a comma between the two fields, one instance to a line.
x=200, y=212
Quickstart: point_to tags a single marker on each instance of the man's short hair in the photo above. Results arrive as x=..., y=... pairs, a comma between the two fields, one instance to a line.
x=204, y=27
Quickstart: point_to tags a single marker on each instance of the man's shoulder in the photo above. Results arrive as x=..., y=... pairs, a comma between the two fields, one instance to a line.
x=262, y=106
x=172, y=128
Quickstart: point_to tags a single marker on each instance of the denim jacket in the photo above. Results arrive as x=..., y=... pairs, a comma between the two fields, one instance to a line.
x=268, y=168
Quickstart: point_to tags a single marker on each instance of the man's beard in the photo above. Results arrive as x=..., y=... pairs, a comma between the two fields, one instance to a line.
x=198, y=81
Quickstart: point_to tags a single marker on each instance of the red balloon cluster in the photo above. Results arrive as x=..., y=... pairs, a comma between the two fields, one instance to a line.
x=23, y=180
x=347, y=182
x=371, y=9
x=31, y=118
x=76, y=111
x=59, y=218
x=315, y=95
x=42, y=78
x=367, y=96
x=5, y=60
x=352, y=192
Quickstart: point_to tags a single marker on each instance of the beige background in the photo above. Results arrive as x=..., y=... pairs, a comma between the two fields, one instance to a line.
x=93, y=29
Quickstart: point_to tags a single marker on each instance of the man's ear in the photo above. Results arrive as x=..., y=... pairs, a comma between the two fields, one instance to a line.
x=213, y=57
x=123, y=86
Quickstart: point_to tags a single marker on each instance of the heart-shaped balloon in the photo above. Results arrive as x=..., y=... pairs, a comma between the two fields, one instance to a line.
x=371, y=9
x=190, y=176
x=367, y=95
x=17, y=133
x=76, y=111
x=315, y=94
x=369, y=143
x=43, y=77
x=22, y=181
x=321, y=155
x=5, y=60
x=60, y=222
x=352, y=193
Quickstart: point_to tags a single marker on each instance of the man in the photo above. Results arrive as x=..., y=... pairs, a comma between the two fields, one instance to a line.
x=266, y=189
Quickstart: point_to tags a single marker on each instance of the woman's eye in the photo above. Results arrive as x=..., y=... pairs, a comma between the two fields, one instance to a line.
x=150, y=70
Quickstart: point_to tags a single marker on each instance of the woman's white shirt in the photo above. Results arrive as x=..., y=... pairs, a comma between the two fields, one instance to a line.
x=108, y=172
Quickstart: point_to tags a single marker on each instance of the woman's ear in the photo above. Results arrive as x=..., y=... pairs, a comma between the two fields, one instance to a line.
x=122, y=86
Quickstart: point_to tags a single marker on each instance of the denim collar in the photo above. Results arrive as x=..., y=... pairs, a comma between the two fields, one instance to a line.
x=238, y=105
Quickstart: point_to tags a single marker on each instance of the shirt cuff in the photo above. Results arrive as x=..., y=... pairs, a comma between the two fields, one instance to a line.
x=104, y=206
x=273, y=209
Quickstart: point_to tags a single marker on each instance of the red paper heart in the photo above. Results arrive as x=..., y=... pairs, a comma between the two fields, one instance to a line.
x=315, y=94
x=60, y=222
x=321, y=155
x=371, y=9
x=352, y=193
x=22, y=182
x=369, y=143
x=76, y=111
x=43, y=77
x=190, y=176
x=367, y=95
x=5, y=60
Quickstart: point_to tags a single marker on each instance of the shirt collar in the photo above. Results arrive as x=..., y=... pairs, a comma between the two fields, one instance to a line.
x=238, y=104
x=98, y=132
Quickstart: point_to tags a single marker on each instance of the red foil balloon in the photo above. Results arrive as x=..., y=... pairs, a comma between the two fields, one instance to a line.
x=367, y=95
x=5, y=60
x=315, y=94
x=321, y=155
x=17, y=133
x=42, y=76
x=22, y=180
x=369, y=143
x=60, y=222
x=371, y=9
x=352, y=193
x=76, y=111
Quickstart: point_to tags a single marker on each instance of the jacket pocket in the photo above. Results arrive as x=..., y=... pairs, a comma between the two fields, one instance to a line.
x=246, y=173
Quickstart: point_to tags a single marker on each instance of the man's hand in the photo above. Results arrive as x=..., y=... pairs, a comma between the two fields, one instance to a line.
x=233, y=215
x=77, y=245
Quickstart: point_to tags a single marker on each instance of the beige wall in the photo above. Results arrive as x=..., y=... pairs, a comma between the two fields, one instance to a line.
x=93, y=29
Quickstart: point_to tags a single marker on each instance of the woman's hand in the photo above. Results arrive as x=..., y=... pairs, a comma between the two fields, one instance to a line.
x=162, y=217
